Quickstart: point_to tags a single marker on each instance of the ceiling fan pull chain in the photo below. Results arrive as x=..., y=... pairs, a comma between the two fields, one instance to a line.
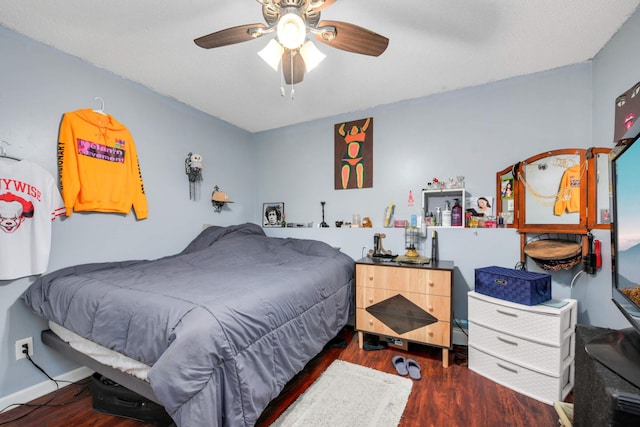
x=282, y=83
x=292, y=90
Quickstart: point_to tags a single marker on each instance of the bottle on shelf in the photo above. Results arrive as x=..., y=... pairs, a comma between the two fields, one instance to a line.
x=456, y=214
x=446, y=215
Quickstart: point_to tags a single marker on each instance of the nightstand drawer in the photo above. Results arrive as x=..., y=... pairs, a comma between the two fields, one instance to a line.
x=417, y=280
x=438, y=333
x=436, y=305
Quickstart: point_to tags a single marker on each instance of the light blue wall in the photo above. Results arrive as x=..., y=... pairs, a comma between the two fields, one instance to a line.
x=37, y=85
x=473, y=132
x=615, y=70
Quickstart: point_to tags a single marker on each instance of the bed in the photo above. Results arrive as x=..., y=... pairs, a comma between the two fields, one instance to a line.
x=222, y=325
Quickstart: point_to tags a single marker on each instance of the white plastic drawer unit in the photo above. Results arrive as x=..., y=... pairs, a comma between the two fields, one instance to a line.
x=542, y=357
x=538, y=322
x=537, y=385
x=530, y=349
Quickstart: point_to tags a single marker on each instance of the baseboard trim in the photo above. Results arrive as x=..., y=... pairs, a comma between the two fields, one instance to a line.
x=43, y=388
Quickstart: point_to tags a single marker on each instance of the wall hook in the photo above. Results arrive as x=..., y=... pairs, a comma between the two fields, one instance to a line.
x=2, y=150
x=101, y=109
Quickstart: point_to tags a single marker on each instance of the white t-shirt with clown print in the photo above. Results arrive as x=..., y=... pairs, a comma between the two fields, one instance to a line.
x=29, y=202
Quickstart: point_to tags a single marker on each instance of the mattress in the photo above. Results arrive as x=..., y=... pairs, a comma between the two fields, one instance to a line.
x=219, y=328
x=101, y=354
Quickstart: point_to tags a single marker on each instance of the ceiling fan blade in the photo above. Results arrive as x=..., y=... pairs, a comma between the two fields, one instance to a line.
x=296, y=75
x=318, y=5
x=354, y=39
x=228, y=36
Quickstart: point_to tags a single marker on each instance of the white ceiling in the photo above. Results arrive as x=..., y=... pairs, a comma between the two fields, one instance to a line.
x=435, y=46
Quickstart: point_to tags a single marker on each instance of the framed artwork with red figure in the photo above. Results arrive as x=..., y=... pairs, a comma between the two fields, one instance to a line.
x=353, y=158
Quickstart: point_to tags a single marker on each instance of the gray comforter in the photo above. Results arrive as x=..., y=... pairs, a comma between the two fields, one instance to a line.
x=224, y=324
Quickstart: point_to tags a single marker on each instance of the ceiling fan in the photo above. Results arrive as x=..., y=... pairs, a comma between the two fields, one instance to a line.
x=291, y=21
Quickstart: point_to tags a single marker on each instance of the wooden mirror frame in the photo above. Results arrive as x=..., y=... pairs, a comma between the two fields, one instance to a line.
x=592, y=191
x=588, y=219
x=507, y=173
x=519, y=171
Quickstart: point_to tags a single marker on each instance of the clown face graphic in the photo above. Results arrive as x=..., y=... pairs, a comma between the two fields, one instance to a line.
x=13, y=211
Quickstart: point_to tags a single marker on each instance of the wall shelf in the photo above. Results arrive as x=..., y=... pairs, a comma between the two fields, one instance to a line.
x=432, y=199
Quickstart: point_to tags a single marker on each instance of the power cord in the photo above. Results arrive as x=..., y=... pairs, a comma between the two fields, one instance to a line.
x=459, y=325
x=25, y=351
x=460, y=352
x=35, y=406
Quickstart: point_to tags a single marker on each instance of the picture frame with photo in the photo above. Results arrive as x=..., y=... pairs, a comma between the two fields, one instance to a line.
x=272, y=214
x=506, y=188
x=482, y=205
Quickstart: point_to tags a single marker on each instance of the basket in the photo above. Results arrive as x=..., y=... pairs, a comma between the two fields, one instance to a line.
x=519, y=286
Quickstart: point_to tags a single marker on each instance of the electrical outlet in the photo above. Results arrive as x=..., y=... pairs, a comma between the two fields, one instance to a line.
x=20, y=343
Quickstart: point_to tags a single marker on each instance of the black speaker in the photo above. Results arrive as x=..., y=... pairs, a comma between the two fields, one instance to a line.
x=600, y=396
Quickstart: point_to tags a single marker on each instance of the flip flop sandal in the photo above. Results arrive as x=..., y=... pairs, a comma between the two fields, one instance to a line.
x=414, y=369
x=400, y=364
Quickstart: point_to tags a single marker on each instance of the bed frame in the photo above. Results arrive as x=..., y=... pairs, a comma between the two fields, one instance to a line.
x=129, y=381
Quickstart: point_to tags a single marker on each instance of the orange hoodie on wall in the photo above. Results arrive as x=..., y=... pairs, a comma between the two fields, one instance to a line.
x=568, y=198
x=98, y=165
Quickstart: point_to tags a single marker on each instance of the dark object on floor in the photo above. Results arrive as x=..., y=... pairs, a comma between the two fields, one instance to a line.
x=400, y=364
x=109, y=397
x=461, y=355
x=337, y=342
x=373, y=343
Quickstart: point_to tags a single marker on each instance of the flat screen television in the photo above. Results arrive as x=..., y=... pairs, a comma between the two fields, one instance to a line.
x=620, y=350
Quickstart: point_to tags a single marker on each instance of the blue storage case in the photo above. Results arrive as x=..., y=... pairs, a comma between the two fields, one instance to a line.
x=522, y=287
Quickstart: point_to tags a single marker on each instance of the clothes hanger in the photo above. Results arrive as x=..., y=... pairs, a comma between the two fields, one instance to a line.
x=101, y=109
x=3, y=152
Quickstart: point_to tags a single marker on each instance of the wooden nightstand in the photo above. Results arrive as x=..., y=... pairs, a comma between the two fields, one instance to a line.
x=406, y=301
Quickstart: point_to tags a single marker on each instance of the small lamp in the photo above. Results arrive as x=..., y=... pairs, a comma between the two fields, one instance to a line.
x=411, y=236
x=219, y=199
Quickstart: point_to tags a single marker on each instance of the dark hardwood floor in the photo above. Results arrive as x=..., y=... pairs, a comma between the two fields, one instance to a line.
x=454, y=396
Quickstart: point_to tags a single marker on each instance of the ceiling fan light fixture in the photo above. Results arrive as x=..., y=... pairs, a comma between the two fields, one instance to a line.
x=272, y=53
x=291, y=30
x=292, y=21
x=311, y=55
